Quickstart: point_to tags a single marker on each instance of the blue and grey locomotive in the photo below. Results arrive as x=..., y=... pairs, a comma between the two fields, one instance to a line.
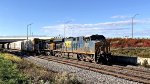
x=91, y=48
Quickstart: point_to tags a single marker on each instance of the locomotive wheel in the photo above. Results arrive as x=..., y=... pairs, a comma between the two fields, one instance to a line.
x=105, y=61
x=54, y=54
x=47, y=53
x=84, y=59
x=90, y=61
x=96, y=59
x=97, y=62
x=91, y=58
x=101, y=60
x=79, y=57
x=109, y=60
x=51, y=53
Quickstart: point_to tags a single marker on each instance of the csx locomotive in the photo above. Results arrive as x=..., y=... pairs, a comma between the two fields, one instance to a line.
x=91, y=48
x=94, y=48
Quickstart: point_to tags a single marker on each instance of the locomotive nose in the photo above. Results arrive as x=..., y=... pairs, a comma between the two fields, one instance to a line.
x=102, y=52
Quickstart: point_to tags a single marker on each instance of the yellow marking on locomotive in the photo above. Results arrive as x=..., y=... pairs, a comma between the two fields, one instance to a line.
x=68, y=44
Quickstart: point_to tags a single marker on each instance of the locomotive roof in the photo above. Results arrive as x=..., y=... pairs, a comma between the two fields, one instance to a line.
x=58, y=40
x=93, y=37
x=98, y=37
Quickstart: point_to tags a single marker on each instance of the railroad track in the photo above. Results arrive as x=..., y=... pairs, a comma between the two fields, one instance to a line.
x=136, y=75
x=135, y=69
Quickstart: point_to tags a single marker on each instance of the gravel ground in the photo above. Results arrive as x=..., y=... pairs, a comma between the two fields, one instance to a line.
x=89, y=77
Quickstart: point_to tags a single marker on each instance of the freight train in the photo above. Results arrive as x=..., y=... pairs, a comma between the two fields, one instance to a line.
x=94, y=48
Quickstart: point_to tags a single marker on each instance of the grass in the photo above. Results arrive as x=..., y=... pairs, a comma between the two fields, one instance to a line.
x=32, y=74
x=145, y=64
x=135, y=51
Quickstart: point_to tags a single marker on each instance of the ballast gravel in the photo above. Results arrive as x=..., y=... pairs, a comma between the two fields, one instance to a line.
x=86, y=76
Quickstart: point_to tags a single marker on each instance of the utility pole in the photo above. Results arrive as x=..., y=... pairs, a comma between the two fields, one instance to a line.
x=65, y=35
x=132, y=23
x=27, y=34
x=30, y=30
x=65, y=27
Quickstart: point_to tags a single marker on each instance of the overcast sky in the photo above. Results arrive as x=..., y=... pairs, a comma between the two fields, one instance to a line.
x=111, y=18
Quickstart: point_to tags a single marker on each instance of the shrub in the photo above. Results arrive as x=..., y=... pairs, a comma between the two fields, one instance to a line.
x=13, y=68
x=9, y=74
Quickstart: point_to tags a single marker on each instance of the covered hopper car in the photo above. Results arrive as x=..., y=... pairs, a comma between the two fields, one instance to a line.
x=36, y=46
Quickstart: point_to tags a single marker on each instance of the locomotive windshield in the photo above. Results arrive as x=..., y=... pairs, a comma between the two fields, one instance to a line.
x=97, y=37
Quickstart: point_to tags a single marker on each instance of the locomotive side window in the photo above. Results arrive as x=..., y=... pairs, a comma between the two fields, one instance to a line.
x=77, y=38
x=86, y=39
x=74, y=39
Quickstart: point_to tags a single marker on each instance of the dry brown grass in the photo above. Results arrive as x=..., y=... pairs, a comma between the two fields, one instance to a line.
x=11, y=57
x=38, y=75
x=65, y=78
x=135, y=51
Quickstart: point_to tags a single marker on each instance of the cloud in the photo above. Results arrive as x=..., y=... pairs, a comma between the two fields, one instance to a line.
x=116, y=28
x=120, y=17
x=143, y=32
